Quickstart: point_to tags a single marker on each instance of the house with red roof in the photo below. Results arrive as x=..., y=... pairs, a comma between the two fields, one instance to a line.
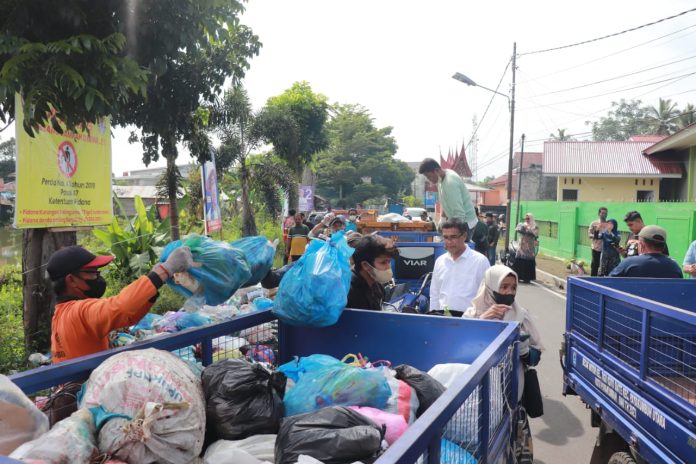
x=614, y=170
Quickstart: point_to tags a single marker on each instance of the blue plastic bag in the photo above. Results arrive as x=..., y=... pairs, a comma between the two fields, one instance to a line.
x=180, y=320
x=314, y=292
x=146, y=322
x=223, y=269
x=298, y=367
x=338, y=385
x=259, y=255
x=262, y=304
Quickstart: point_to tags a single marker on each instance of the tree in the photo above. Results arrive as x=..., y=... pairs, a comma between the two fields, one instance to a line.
x=294, y=122
x=210, y=46
x=360, y=154
x=627, y=118
x=561, y=136
x=687, y=116
x=7, y=158
x=241, y=132
x=663, y=119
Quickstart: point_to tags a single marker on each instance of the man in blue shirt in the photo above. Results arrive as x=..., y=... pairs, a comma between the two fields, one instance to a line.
x=651, y=262
x=690, y=260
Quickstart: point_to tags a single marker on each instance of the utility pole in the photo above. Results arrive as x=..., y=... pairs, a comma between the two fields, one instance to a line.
x=519, y=181
x=474, y=149
x=508, y=208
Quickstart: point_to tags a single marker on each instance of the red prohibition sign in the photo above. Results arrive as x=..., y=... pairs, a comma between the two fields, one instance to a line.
x=67, y=159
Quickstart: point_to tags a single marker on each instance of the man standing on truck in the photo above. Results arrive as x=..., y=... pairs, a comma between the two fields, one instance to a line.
x=597, y=227
x=458, y=273
x=452, y=192
x=82, y=319
x=652, y=261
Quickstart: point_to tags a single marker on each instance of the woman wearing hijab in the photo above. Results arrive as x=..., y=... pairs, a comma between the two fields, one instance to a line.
x=496, y=300
x=525, y=261
x=609, y=258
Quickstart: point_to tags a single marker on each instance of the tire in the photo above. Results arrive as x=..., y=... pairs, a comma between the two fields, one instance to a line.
x=621, y=457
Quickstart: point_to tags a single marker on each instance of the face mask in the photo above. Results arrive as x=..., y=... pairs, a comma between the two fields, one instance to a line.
x=352, y=218
x=381, y=276
x=499, y=298
x=96, y=289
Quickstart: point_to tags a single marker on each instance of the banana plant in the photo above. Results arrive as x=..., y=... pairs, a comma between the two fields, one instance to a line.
x=137, y=246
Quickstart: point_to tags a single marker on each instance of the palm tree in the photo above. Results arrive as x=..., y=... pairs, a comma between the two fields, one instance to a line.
x=237, y=126
x=561, y=136
x=663, y=119
x=687, y=116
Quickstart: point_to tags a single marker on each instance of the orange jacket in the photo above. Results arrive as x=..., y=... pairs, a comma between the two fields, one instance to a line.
x=81, y=326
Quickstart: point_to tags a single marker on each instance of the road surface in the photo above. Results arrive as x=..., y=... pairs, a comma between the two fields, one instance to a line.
x=563, y=434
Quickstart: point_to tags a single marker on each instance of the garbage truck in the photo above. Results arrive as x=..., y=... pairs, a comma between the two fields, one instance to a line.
x=629, y=353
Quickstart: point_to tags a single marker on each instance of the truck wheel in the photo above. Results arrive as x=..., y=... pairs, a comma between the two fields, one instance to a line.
x=621, y=457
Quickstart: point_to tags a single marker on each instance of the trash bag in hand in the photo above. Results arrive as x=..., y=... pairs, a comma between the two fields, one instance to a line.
x=314, y=292
x=243, y=399
x=259, y=254
x=331, y=435
x=221, y=269
x=427, y=388
x=338, y=385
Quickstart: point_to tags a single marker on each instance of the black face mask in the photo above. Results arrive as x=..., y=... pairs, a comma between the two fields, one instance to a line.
x=503, y=299
x=97, y=287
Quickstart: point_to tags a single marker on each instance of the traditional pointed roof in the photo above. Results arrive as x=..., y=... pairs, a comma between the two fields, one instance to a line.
x=457, y=162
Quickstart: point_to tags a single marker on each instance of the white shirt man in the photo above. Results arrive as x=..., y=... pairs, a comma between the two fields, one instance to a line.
x=458, y=273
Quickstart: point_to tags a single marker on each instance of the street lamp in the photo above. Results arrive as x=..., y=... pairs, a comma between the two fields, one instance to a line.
x=511, y=100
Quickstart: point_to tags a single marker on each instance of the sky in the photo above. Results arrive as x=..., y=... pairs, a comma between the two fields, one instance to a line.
x=396, y=58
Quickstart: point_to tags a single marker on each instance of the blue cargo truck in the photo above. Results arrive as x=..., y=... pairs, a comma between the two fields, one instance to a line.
x=472, y=422
x=630, y=354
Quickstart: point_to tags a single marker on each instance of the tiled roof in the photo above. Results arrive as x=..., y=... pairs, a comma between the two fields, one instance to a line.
x=606, y=159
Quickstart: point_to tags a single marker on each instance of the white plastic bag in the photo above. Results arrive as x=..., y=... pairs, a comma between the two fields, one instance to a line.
x=257, y=449
x=70, y=440
x=150, y=407
x=20, y=420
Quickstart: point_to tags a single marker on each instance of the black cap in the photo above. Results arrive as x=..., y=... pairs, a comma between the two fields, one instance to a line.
x=71, y=259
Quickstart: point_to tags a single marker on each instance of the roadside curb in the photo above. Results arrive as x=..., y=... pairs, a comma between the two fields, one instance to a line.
x=557, y=283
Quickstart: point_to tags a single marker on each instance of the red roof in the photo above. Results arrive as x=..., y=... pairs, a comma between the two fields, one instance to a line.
x=531, y=158
x=457, y=162
x=606, y=159
x=647, y=138
x=500, y=180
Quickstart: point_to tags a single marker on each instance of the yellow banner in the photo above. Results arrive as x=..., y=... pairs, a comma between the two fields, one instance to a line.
x=63, y=180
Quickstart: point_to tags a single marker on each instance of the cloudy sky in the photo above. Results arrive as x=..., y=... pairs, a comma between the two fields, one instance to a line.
x=396, y=57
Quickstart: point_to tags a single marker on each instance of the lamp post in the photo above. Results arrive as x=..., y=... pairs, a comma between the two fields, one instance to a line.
x=511, y=99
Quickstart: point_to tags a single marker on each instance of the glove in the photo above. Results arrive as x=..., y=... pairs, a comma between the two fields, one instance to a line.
x=179, y=261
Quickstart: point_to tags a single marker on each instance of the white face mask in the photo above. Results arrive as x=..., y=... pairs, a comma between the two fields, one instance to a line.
x=380, y=276
x=352, y=218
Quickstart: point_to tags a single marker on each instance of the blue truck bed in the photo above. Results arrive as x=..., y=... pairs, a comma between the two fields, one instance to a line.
x=486, y=429
x=630, y=354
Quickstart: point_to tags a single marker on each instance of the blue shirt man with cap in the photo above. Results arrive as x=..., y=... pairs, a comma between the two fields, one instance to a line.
x=651, y=262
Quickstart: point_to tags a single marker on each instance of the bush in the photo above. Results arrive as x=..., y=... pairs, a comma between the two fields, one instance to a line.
x=12, y=354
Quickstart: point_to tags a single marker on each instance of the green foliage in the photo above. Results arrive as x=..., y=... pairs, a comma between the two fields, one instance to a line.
x=412, y=201
x=136, y=247
x=12, y=354
x=294, y=123
x=7, y=158
x=663, y=119
x=561, y=136
x=359, y=150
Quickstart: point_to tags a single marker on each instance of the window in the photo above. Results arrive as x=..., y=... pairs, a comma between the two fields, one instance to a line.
x=570, y=195
x=548, y=229
x=645, y=195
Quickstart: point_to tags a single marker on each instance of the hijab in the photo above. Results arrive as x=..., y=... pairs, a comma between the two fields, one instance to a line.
x=532, y=223
x=483, y=300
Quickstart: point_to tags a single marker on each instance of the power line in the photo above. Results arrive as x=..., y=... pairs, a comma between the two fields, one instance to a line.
x=625, y=31
x=619, y=52
x=507, y=66
x=615, y=77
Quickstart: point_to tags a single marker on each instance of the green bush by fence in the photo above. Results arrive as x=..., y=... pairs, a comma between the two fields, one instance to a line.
x=563, y=225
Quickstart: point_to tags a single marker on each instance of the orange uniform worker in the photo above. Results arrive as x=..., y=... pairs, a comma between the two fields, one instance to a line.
x=82, y=319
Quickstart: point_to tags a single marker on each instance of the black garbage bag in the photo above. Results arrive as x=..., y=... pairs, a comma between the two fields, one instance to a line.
x=427, y=388
x=334, y=435
x=242, y=399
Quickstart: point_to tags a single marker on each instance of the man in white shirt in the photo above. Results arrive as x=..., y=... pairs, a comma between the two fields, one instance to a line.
x=459, y=272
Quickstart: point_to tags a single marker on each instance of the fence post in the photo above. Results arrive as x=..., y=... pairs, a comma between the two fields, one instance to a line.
x=485, y=416
x=207, y=354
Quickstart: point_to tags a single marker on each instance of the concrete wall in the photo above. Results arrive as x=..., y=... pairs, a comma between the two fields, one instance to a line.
x=608, y=188
x=536, y=186
x=563, y=225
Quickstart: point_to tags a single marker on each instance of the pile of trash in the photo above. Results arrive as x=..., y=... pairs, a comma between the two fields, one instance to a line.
x=148, y=406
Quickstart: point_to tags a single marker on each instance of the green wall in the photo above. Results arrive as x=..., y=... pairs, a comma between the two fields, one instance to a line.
x=563, y=225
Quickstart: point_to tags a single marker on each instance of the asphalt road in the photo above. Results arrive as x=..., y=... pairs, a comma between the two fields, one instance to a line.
x=563, y=434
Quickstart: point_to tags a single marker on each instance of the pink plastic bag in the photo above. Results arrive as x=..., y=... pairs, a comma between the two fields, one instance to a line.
x=396, y=425
x=403, y=400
